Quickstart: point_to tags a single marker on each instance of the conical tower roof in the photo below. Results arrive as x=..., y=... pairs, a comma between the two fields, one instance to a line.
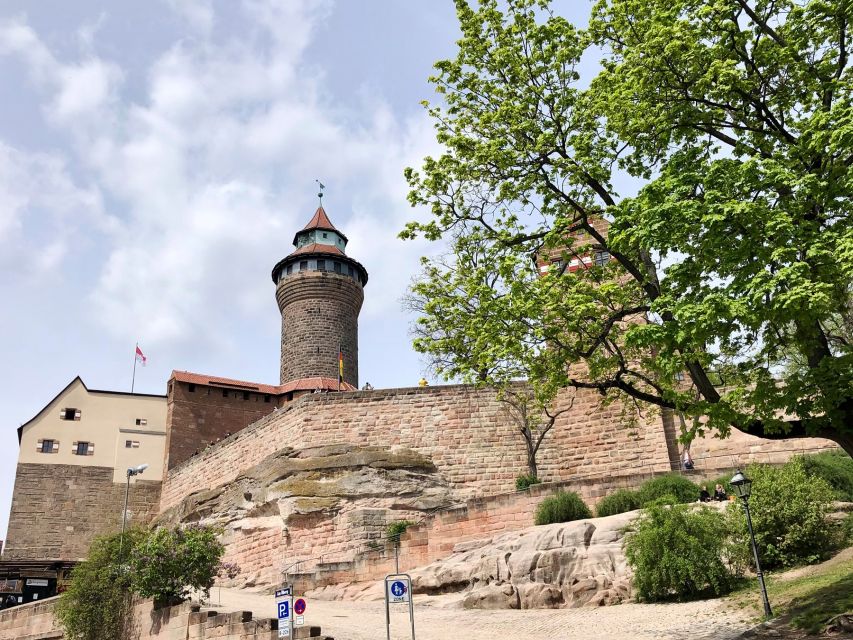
x=320, y=220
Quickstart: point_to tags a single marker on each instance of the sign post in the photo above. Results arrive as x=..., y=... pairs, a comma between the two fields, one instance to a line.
x=284, y=606
x=398, y=590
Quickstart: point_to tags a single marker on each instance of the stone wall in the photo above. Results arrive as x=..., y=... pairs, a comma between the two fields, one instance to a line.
x=198, y=418
x=464, y=431
x=58, y=509
x=36, y=622
x=319, y=315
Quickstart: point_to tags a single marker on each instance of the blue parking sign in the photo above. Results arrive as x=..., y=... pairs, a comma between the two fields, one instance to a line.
x=284, y=609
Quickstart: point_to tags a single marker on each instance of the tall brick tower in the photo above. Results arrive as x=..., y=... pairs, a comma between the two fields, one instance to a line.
x=319, y=291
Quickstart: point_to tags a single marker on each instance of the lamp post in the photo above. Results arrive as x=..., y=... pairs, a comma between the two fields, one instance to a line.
x=131, y=471
x=742, y=487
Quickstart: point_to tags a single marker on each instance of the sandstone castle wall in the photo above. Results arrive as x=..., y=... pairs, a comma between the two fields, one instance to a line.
x=57, y=510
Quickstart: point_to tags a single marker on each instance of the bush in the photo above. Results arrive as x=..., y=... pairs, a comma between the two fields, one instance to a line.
x=169, y=563
x=562, y=507
x=522, y=482
x=679, y=552
x=789, y=511
x=396, y=529
x=95, y=604
x=836, y=467
x=618, y=502
x=676, y=486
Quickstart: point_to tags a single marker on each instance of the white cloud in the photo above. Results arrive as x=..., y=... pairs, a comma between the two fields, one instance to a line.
x=213, y=170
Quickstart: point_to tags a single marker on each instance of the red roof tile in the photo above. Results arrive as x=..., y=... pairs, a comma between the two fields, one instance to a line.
x=303, y=384
x=315, y=247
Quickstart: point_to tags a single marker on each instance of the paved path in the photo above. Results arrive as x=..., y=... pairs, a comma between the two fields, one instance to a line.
x=436, y=620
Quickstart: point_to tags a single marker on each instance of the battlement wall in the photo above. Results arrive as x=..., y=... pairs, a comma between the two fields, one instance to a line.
x=465, y=431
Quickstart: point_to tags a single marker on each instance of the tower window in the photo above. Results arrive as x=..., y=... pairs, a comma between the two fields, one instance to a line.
x=267, y=398
x=303, y=265
x=289, y=269
x=70, y=414
x=350, y=271
x=46, y=446
x=321, y=265
x=337, y=267
x=191, y=387
x=325, y=235
x=245, y=395
x=84, y=449
x=225, y=393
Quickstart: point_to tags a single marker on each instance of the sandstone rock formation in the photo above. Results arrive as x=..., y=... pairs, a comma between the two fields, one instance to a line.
x=560, y=565
x=328, y=500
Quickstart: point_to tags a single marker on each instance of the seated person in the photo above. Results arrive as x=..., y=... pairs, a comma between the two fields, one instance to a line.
x=704, y=496
x=720, y=493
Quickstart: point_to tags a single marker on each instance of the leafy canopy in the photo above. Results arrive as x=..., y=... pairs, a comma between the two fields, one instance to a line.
x=722, y=286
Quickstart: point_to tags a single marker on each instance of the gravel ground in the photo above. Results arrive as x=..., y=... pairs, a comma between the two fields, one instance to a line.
x=436, y=618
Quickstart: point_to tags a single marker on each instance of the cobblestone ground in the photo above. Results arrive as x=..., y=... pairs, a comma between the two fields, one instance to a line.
x=434, y=620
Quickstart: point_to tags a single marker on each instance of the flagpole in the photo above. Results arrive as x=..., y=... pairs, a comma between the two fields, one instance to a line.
x=133, y=380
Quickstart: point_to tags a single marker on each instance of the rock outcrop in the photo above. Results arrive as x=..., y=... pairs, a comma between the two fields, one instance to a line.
x=324, y=501
x=560, y=565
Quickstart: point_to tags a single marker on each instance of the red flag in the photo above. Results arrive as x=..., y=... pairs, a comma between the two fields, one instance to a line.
x=140, y=356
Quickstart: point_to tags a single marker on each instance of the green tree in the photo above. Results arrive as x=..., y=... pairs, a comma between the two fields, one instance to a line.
x=722, y=286
x=677, y=551
x=95, y=605
x=169, y=563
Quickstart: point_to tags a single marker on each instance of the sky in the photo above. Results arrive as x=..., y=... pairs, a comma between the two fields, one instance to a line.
x=155, y=161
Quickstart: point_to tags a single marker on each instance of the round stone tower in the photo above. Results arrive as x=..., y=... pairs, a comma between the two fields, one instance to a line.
x=319, y=291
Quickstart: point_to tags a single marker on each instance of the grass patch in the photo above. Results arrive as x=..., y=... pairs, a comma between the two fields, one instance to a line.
x=807, y=597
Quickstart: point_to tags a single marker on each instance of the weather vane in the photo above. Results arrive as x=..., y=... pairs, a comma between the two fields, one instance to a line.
x=320, y=195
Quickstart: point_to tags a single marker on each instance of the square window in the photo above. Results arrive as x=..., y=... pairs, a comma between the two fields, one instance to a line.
x=325, y=235
x=303, y=265
x=601, y=258
x=141, y=422
x=70, y=414
x=191, y=387
x=82, y=449
x=267, y=398
x=321, y=265
x=47, y=446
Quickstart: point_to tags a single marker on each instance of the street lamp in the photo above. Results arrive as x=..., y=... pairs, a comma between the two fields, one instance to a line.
x=131, y=471
x=742, y=487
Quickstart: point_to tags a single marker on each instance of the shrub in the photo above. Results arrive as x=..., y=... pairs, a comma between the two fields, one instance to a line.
x=679, y=487
x=169, y=563
x=95, y=604
x=562, y=507
x=836, y=467
x=789, y=511
x=618, y=502
x=679, y=552
x=396, y=529
x=525, y=480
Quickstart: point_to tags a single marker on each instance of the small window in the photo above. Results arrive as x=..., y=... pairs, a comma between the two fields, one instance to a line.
x=350, y=272
x=141, y=422
x=82, y=449
x=303, y=265
x=245, y=395
x=288, y=396
x=325, y=235
x=321, y=265
x=267, y=398
x=191, y=387
x=601, y=258
x=46, y=446
x=70, y=414
x=131, y=444
x=225, y=393
x=337, y=267
x=289, y=269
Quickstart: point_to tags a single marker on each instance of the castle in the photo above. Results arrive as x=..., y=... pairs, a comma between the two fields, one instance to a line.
x=312, y=468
